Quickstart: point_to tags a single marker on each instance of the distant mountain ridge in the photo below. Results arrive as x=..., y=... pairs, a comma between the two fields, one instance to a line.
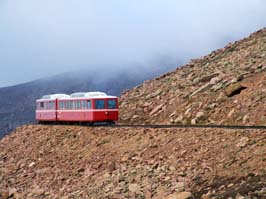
x=18, y=102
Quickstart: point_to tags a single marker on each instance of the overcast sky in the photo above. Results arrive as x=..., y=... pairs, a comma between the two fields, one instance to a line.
x=39, y=38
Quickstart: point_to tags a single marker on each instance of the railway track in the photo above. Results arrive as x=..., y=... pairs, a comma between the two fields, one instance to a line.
x=160, y=126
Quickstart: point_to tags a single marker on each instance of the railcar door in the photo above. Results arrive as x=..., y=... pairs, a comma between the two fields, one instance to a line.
x=100, y=113
x=56, y=110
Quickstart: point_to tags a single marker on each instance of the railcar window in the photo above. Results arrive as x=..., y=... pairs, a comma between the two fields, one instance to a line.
x=99, y=104
x=71, y=104
x=67, y=105
x=111, y=104
x=83, y=104
x=41, y=105
x=78, y=105
x=89, y=104
x=50, y=105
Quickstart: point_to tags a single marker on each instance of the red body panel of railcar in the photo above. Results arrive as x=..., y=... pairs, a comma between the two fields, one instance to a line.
x=85, y=113
x=103, y=109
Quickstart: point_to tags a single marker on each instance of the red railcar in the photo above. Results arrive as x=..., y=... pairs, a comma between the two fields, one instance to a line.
x=88, y=107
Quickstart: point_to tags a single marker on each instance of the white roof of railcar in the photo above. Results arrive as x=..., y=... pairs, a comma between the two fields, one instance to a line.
x=78, y=95
x=53, y=97
x=89, y=94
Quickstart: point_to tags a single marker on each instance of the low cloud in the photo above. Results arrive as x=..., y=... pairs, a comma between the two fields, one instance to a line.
x=42, y=38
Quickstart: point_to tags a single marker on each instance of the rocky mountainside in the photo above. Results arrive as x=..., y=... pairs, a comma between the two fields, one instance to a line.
x=227, y=86
x=140, y=163
x=17, y=103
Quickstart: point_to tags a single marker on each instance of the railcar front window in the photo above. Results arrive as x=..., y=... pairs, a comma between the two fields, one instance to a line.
x=111, y=104
x=99, y=104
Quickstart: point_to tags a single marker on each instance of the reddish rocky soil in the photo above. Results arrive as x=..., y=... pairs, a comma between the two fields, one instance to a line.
x=142, y=163
x=227, y=86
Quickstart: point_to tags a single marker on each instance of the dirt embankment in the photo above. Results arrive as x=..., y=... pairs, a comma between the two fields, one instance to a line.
x=82, y=162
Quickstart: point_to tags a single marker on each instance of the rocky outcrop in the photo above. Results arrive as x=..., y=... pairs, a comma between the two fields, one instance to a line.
x=228, y=86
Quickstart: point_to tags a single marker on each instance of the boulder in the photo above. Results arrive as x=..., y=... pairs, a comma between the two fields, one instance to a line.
x=234, y=89
x=156, y=109
x=134, y=188
x=202, y=89
x=243, y=142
